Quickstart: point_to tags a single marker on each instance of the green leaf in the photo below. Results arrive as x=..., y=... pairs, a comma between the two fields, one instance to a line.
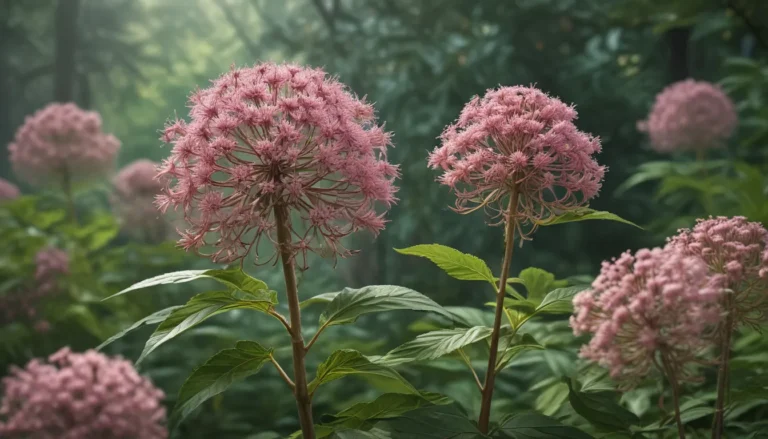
x=600, y=409
x=559, y=301
x=386, y=406
x=455, y=263
x=539, y=282
x=218, y=374
x=583, y=214
x=468, y=317
x=351, y=303
x=202, y=307
x=435, y=344
x=512, y=346
x=320, y=298
x=151, y=319
x=234, y=278
x=346, y=362
x=437, y=422
x=532, y=425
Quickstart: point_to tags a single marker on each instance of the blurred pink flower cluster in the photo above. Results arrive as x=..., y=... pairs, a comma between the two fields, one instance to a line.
x=23, y=303
x=737, y=249
x=690, y=115
x=518, y=139
x=133, y=200
x=8, y=190
x=60, y=142
x=81, y=396
x=277, y=135
x=653, y=307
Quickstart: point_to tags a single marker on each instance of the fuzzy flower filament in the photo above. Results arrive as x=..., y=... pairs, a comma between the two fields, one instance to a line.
x=80, y=396
x=274, y=136
x=518, y=140
x=653, y=307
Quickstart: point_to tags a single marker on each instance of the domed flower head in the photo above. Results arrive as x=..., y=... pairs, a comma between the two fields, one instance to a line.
x=62, y=142
x=518, y=139
x=648, y=309
x=277, y=137
x=690, y=115
x=738, y=250
x=50, y=263
x=8, y=190
x=80, y=396
x=133, y=199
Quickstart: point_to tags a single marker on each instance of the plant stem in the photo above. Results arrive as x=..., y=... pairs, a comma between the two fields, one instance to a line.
x=66, y=185
x=672, y=378
x=300, y=392
x=718, y=424
x=490, y=375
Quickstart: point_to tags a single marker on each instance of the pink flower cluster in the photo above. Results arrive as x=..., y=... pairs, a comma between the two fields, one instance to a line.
x=60, y=142
x=81, y=396
x=8, y=190
x=277, y=136
x=690, y=115
x=50, y=264
x=518, y=139
x=133, y=199
x=737, y=249
x=647, y=309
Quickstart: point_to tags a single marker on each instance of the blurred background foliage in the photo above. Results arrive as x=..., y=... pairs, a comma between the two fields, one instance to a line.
x=136, y=61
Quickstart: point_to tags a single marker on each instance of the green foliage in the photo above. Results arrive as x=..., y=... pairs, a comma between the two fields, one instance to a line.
x=456, y=264
x=531, y=425
x=233, y=278
x=351, y=303
x=218, y=374
x=350, y=362
x=435, y=344
x=583, y=214
x=600, y=409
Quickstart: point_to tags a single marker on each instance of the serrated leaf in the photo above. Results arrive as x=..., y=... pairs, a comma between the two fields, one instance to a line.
x=532, y=425
x=234, y=278
x=583, y=214
x=512, y=346
x=218, y=374
x=559, y=301
x=386, y=406
x=351, y=303
x=320, y=298
x=346, y=362
x=539, y=282
x=468, y=317
x=434, y=344
x=456, y=264
x=600, y=409
x=202, y=307
x=438, y=422
x=151, y=319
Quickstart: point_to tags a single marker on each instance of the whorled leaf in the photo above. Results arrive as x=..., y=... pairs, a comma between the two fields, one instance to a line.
x=434, y=344
x=559, y=301
x=539, y=282
x=217, y=374
x=320, y=298
x=532, y=425
x=347, y=362
x=456, y=264
x=202, y=307
x=349, y=304
x=583, y=214
x=151, y=319
x=437, y=422
x=600, y=409
x=235, y=279
x=511, y=346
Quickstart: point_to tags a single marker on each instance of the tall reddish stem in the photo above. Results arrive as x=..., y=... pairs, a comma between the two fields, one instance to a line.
x=490, y=375
x=301, y=393
x=672, y=378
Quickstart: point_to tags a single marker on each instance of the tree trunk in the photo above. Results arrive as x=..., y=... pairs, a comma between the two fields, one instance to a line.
x=67, y=12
